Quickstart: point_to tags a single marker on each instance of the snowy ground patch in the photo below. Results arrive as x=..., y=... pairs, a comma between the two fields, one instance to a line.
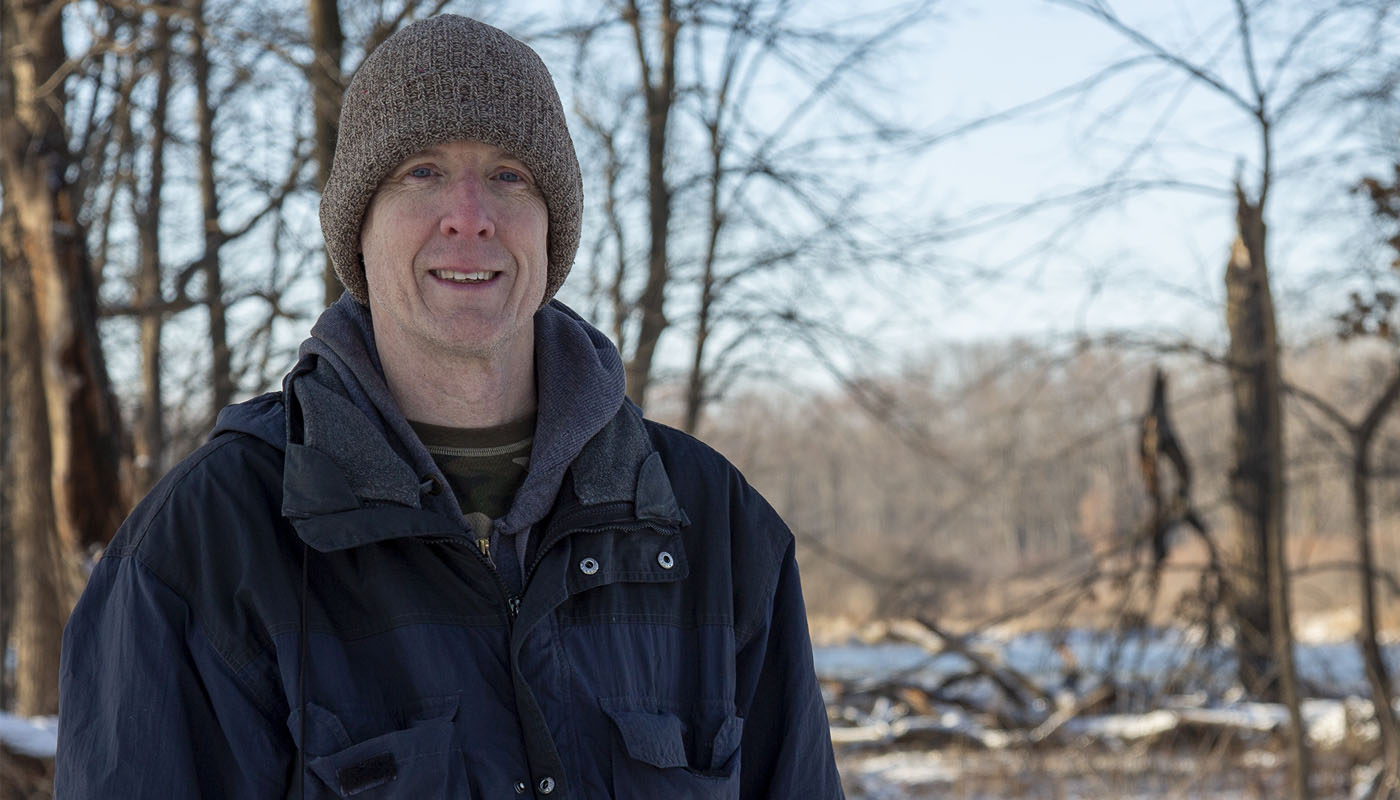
x=36, y=737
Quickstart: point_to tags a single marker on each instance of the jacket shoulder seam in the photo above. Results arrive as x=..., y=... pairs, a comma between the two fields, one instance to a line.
x=185, y=468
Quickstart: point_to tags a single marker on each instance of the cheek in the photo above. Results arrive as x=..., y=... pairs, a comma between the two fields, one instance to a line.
x=383, y=241
x=371, y=231
x=371, y=252
x=377, y=249
x=539, y=238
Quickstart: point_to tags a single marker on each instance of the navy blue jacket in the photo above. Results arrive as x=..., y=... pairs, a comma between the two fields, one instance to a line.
x=259, y=601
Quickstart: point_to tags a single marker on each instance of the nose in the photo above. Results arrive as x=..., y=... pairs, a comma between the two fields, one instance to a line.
x=466, y=211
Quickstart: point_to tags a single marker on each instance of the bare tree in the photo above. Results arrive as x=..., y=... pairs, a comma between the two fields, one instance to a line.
x=47, y=239
x=1260, y=595
x=656, y=66
x=7, y=459
x=220, y=362
x=1371, y=317
x=150, y=437
x=44, y=591
x=327, y=45
x=1276, y=83
x=694, y=249
x=65, y=427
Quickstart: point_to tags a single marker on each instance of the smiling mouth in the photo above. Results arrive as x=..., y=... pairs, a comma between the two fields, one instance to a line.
x=462, y=277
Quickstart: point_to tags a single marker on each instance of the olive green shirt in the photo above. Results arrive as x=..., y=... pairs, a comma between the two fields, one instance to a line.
x=484, y=467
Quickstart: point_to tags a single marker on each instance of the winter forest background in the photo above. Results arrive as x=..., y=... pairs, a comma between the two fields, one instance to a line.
x=1061, y=332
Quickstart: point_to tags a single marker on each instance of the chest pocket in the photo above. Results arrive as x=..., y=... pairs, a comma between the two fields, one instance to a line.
x=383, y=755
x=659, y=753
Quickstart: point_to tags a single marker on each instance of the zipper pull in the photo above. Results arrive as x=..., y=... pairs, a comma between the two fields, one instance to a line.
x=513, y=605
x=484, y=545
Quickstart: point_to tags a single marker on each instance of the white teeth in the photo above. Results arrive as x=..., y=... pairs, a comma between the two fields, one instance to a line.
x=462, y=277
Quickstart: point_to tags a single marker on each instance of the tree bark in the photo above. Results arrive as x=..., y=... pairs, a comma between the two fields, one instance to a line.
x=328, y=46
x=221, y=361
x=65, y=433
x=42, y=595
x=1256, y=479
x=7, y=468
x=150, y=431
x=83, y=428
x=659, y=92
x=1260, y=602
x=697, y=384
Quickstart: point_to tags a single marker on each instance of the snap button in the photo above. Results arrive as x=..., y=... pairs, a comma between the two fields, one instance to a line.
x=665, y=560
x=520, y=787
x=588, y=566
x=546, y=785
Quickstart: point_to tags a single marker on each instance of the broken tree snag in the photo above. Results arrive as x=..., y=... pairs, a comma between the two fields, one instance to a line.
x=1260, y=584
x=1157, y=440
x=1256, y=476
x=1158, y=443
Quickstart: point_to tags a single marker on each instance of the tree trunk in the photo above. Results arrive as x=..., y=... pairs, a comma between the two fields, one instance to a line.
x=221, y=361
x=1256, y=480
x=659, y=91
x=697, y=385
x=327, y=45
x=1259, y=600
x=7, y=468
x=150, y=431
x=48, y=241
x=64, y=426
x=43, y=594
x=1377, y=674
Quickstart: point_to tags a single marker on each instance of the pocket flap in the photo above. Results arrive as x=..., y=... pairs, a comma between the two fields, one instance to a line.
x=653, y=738
x=380, y=760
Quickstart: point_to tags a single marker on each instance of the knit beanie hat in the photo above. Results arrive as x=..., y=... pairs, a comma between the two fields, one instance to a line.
x=443, y=79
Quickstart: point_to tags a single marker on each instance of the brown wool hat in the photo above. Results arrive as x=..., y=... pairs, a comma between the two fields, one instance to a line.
x=444, y=79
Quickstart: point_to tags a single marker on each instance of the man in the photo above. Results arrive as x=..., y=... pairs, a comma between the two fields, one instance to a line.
x=447, y=559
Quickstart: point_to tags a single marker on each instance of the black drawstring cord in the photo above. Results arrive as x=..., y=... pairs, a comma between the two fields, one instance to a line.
x=301, y=679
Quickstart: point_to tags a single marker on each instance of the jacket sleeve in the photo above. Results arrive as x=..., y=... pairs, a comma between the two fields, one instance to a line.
x=148, y=709
x=787, y=739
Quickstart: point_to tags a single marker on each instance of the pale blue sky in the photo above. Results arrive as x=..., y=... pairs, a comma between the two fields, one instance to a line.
x=1153, y=260
x=1157, y=256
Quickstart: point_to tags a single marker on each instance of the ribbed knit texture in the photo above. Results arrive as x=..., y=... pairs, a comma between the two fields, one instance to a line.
x=444, y=79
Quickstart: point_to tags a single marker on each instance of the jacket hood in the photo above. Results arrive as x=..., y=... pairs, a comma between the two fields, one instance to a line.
x=349, y=447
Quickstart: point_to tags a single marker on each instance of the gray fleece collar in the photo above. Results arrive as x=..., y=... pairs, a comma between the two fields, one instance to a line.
x=581, y=386
x=338, y=394
x=342, y=418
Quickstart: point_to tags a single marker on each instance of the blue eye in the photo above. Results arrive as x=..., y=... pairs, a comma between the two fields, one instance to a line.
x=421, y=172
x=511, y=177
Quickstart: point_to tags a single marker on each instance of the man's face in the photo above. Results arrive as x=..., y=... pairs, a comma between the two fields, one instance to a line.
x=454, y=243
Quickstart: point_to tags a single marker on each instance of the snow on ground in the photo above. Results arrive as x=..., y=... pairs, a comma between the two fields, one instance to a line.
x=1151, y=659
x=1179, y=725
x=1067, y=774
x=1330, y=723
x=31, y=736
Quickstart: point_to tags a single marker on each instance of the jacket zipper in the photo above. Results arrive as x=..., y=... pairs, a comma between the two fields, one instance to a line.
x=482, y=552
